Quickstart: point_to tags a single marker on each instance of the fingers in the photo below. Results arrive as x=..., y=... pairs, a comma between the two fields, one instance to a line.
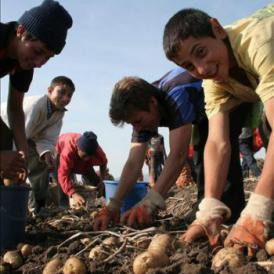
x=137, y=216
x=125, y=217
x=194, y=232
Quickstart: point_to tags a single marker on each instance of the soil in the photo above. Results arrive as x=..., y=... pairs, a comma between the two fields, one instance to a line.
x=69, y=232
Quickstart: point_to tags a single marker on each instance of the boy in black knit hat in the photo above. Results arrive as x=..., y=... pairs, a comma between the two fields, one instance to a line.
x=39, y=34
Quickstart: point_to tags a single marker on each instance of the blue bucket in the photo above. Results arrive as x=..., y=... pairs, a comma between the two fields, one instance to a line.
x=132, y=198
x=13, y=213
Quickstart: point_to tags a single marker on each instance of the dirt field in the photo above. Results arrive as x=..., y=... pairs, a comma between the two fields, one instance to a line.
x=69, y=233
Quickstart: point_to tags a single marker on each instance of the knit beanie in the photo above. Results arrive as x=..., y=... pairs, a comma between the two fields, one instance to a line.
x=88, y=142
x=49, y=23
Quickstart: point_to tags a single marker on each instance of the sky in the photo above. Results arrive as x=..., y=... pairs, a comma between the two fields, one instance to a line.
x=111, y=39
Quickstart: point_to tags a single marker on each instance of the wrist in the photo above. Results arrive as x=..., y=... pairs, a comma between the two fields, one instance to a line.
x=153, y=200
x=211, y=208
x=259, y=207
x=114, y=204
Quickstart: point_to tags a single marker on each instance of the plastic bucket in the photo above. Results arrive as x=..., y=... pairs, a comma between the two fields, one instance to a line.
x=132, y=198
x=13, y=212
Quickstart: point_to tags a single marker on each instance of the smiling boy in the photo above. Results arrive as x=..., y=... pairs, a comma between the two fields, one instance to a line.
x=237, y=63
x=43, y=122
x=39, y=34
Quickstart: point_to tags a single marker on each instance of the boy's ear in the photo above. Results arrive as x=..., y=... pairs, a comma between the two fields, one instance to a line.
x=153, y=101
x=218, y=30
x=50, y=90
x=20, y=31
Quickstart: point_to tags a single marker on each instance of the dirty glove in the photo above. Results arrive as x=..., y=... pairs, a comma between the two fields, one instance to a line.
x=209, y=219
x=253, y=226
x=107, y=215
x=141, y=214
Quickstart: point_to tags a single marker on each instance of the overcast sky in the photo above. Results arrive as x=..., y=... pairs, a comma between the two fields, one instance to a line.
x=111, y=39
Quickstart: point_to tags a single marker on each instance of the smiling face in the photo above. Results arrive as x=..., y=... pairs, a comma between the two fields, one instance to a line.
x=145, y=120
x=31, y=53
x=205, y=57
x=60, y=96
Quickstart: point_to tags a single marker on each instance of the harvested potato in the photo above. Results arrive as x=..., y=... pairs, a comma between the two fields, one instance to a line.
x=52, y=266
x=111, y=241
x=231, y=256
x=26, y=250
x=85, y=241
x=74, y=265
x=269, y=247
x=155, y=256
x=97, y=253
x=13, y=258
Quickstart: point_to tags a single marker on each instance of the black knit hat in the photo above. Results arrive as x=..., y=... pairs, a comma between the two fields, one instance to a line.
x=88, y=142
x=49, y=23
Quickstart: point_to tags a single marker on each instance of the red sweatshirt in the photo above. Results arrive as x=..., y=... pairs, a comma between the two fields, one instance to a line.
x=70, y=163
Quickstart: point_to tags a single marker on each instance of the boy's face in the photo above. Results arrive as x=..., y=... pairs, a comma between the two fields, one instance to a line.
x=145, y=120
x=31, y=53
x=60, y=96
x=205, y=57
x=83, y=155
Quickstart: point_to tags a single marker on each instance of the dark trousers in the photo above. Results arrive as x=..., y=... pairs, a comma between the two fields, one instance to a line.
x=248, y=160
x=233, y=195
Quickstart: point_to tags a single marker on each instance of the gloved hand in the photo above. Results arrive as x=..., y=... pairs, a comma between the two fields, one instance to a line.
x=140, y=215
x=251, y=230
x=209, y=219
x=107, y=215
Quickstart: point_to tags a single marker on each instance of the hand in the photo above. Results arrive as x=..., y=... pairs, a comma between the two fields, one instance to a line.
x=208, y=223
x=138, y=216
x=198, y=229
x=13, y=165
x=248, y=232
x=77, y=200
x=105, y=217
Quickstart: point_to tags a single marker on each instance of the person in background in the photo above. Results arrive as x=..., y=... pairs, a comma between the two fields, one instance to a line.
x=78, y=154
x=155, y=158
x=38, y=35
x=249, y=163
x=236, y=65
x=44, y=118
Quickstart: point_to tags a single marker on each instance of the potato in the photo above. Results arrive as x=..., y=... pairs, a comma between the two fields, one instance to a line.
x=26, y=250
x=13, y=258
x=155, y=256
x=269, y=247
x=97, y=253
x=52, y=266
x=111, y=241
x=228, y=255
x=146, y=260
x=159, y=244
x=85, y=241
x=74, y=265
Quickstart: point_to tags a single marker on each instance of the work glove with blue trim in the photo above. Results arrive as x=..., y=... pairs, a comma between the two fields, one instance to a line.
x=141, y=214
x=109, y=214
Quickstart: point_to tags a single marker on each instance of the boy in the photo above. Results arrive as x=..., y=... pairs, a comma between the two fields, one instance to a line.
x=39, y=34
x=237, y=65
x=77, y=154
x=44, y=116
x=175, y=101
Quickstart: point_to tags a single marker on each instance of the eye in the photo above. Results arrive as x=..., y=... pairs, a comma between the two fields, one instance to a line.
x=200, y=52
